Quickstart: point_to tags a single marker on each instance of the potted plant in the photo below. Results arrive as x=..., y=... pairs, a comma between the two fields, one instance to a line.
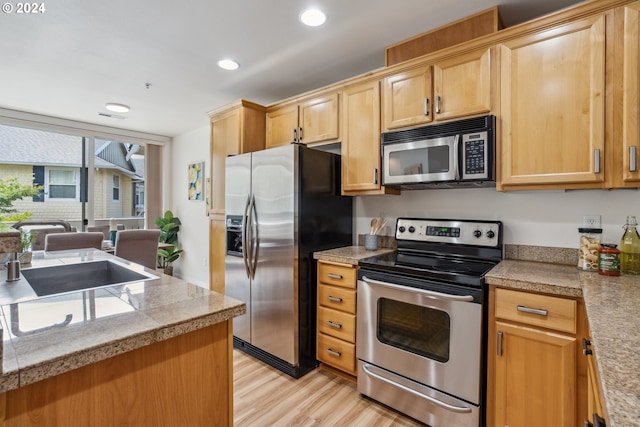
x=26, y=240
x=169, y=226
x=166, y=257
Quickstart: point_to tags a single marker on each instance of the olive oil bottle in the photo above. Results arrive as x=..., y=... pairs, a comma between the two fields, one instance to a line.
x=630, y=248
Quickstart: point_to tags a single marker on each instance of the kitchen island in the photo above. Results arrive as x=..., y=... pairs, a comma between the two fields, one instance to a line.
x=153, y=352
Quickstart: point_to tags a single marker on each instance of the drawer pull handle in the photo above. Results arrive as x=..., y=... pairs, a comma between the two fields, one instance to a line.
x=334, y=324
x=334, y=276
x=499, y=343
x=334, y=353
x=533, y=310
x=334, y=299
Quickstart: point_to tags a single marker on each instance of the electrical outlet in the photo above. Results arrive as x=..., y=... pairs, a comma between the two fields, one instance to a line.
x=591, y=221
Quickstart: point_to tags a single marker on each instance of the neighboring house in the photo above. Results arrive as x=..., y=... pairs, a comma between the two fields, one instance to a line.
x=55, y=161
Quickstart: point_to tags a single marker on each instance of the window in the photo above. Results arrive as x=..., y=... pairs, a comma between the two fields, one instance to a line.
x=61, y=184
x=116, y=188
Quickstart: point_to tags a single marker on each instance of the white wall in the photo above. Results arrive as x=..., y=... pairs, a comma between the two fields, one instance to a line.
x=539, y=218
x=187, y=148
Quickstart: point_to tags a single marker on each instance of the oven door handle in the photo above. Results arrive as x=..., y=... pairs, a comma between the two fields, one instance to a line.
x=452, y=408
x=429, y=294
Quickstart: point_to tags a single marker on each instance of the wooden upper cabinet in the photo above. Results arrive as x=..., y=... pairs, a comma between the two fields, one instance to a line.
x=319, y=119
x=462, y=85
x=631, y=94
x=282, y=125
x=311, y=121
x=407, y=99
x=457, y=87
x=235, y=129
x=553, y=107
x=361, y=137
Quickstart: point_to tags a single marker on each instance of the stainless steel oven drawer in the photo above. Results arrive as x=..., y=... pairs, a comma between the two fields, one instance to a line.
x=416, y=400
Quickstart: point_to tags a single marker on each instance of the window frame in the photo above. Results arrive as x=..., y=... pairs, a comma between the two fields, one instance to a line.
x=47, y=192
x=114, y=187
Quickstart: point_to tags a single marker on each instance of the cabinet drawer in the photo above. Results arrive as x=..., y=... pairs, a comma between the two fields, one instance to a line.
x=337, y=353
x=337, y=275
x=337, y=298
x=337, y=324
x=537, y=310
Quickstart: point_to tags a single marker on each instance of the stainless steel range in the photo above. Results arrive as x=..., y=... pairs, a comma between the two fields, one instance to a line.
x=422, y=316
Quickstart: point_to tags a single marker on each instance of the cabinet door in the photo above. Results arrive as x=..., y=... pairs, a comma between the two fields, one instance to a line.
x=552, y=100
x=319, y=119
x=361, y=137
x=217, y=251
x=282, y=126
x=462, y=86
x=535, y=374
x=631, y=93
x=407, y=99
x=225, y=140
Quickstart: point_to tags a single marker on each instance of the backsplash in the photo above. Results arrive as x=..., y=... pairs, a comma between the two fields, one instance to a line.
x=565, y=256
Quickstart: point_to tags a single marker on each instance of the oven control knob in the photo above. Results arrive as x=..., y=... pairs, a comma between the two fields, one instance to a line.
x=412, y=229
x=477, y=234
x=491, y=234
x=401, y=229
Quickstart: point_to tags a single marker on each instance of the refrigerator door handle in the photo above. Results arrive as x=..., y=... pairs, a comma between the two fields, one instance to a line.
x=245, y=246
x=254, y=237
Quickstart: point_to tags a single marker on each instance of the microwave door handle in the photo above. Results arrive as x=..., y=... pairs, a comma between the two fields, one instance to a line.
x=456, y=156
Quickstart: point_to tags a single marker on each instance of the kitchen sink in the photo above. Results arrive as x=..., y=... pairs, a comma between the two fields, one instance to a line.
x=75, y=277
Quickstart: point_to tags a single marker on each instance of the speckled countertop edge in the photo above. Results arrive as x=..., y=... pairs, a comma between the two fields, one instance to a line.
x=167, y=307
x=611, y=305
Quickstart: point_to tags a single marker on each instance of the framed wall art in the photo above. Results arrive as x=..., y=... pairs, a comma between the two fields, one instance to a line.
x=196, y=181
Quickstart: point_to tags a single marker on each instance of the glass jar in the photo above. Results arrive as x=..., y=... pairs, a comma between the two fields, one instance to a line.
x=590, y=239
x=609, y=260
x=630, y=248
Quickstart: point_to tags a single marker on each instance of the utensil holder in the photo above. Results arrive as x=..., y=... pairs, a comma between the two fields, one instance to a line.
x=370, y=242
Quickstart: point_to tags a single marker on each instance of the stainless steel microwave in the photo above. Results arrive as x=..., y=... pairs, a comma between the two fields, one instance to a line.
x=448, y=155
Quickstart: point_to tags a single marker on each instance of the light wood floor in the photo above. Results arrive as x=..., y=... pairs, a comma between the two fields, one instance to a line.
x=265, y=397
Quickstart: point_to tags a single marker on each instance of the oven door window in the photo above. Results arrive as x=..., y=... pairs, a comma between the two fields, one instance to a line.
x=421, y=330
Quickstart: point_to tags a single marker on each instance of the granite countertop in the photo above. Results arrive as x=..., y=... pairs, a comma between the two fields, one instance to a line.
x=611, y=304
x=9, y=239
x=47, y=336
x=349, y=254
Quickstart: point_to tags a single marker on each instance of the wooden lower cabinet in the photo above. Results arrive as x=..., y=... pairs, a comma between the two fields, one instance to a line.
x=594, y=401
x=337, y=316
x=536, y=370
x=184, y=381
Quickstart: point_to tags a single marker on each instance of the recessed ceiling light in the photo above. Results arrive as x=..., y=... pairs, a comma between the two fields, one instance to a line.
x=228, y=64
x=117, y=108
x=313, y=17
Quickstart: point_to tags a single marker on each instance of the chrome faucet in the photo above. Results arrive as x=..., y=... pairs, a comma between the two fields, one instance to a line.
x=13, y=268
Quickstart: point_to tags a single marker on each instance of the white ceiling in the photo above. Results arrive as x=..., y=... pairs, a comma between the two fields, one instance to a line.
x=79, y=54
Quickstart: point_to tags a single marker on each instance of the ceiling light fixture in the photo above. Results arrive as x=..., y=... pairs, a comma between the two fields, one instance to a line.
x=117, y=108
x=313, y=17
x=228, y=64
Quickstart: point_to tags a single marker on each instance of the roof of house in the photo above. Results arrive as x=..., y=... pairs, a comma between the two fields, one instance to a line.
x=41, y=148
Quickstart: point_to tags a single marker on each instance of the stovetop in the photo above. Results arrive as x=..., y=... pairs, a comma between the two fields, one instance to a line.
x=455, y=251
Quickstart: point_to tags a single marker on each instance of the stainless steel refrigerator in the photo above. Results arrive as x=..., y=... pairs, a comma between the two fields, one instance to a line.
x=282, y=204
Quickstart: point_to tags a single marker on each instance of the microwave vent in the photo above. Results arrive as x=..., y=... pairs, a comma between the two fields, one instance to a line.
x=442, y=129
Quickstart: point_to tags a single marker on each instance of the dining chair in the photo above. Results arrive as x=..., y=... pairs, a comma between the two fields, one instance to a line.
x=140, y=246
x=104, y=229
x=64, y=241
